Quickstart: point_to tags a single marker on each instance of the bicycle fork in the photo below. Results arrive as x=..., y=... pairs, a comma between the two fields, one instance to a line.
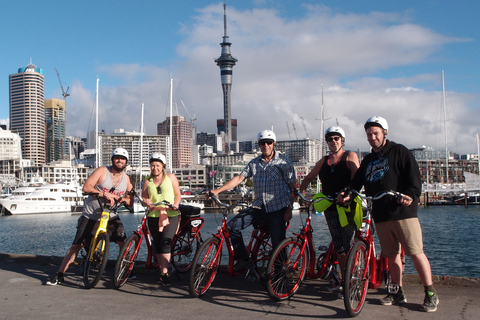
x=102, y=228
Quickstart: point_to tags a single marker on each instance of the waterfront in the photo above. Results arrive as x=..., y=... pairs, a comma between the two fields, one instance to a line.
x=451, y=235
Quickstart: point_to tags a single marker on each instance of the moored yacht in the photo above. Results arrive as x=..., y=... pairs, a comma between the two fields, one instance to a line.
x=51, y=198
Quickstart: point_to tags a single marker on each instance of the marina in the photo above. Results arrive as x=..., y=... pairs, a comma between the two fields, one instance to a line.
x=450, y=234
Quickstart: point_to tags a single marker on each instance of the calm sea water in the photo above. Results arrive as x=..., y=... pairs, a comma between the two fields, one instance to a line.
x=451, y=236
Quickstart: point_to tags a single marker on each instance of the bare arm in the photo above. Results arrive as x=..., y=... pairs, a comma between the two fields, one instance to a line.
x=353, y=163
x=235, y=181
x=311, y=175
x=176, y=189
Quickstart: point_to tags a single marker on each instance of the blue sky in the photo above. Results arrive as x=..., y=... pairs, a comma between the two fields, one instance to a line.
x=372, y=57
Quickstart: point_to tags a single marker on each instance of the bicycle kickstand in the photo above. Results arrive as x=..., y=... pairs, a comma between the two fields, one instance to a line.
x=252, y=277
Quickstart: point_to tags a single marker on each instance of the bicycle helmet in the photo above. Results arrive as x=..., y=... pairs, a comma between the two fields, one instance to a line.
x=334, y=131
x=376, y=121
x=266, y=135
x=158, y=157
x=120, y=152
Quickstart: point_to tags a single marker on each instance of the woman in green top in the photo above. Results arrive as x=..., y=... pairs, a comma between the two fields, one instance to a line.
x=162, y=221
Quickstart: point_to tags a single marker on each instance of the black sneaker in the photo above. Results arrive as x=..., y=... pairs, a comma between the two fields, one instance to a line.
x=165, y=280
x=394, y=299
x=56, y=279
x=242, y=264
x=431, y=302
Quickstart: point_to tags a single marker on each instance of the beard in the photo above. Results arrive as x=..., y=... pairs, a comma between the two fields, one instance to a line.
x=118, y=168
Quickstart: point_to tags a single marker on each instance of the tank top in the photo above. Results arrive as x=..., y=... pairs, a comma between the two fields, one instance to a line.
x=167, y=194
x=334, y=177
x=92, y=209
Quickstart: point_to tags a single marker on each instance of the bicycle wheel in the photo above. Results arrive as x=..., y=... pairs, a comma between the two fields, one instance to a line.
x=94, y=268
x=126, y=260
x=205, y=267
x=286, y=269
x=261, y=251
x=184, y=248
x=357, y=274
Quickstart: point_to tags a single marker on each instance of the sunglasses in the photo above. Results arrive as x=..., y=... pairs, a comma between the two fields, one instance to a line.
x=330, y=139
x=262, y=143
x=159, y=189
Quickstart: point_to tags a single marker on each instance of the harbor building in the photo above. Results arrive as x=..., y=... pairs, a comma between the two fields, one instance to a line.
x=27, y=111
x=55, y=117
x=182, y=140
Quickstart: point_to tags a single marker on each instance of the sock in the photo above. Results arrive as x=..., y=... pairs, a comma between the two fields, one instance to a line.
x=430, y=290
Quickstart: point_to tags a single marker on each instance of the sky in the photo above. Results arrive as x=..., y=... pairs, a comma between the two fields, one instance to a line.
x=364, y=57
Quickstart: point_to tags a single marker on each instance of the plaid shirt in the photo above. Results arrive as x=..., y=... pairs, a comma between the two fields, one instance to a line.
x=270, y=181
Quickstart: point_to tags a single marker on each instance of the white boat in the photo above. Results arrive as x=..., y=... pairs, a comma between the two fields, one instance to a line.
x=189, y=200
x=52, y=198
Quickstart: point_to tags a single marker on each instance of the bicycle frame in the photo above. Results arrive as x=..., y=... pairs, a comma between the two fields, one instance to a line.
x=316, y=270
x=102, y=228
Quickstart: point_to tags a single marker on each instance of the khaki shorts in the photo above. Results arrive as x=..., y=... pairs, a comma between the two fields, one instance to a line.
x=406, y=233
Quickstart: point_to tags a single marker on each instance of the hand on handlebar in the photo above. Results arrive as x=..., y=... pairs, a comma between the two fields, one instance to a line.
x=404, y=200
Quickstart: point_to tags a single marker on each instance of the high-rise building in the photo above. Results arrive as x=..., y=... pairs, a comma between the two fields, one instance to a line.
x=182, y=142
x=27, y=112
x=226, y=62
x=55, y=117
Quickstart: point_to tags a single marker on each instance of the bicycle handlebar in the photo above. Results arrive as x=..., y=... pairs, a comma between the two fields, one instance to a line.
x=210, y=195
x=298, y=193
x=164, y=202
x=380, y=195
x=106, y=205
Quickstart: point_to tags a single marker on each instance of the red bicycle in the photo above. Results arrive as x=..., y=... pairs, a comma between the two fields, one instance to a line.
x=364, y=269
x=208, y=257
x=184, y=245
x=294, y=258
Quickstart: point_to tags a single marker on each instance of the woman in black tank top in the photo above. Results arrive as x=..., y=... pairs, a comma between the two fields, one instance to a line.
x=335, y=172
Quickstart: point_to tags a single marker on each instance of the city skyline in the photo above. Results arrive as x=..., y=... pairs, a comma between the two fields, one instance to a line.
x=377, y=57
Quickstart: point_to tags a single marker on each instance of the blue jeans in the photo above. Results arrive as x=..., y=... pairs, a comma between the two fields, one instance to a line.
x=274, y=220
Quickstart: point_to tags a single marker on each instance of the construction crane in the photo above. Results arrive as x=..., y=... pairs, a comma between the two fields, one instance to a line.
x=192, y=119
x=288, y=129
x=304, y=127
x=65, y=94
x=295, y=130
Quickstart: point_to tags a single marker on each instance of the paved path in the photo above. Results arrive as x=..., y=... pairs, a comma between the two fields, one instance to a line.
x=23, y=295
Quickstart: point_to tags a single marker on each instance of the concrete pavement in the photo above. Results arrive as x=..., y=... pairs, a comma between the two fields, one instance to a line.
x=24, y=295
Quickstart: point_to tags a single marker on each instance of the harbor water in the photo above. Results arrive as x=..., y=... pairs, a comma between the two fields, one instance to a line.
x=451, y=236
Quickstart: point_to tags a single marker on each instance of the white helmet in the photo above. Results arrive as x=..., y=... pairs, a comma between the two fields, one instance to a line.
x=120, y=152
x=376, y=121
x=158, y=157
x=266, y=135
x=334, y=131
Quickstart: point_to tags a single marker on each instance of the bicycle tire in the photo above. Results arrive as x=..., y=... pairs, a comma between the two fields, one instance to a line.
x=205, y=267
x=261, y=252
x=286, y=269
x=184, y=249
x=94, y=269
x=356, y=284
x=126, y=260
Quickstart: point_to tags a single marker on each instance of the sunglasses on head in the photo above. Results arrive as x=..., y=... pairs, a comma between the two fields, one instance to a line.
x=330, y=139
x=264, y=142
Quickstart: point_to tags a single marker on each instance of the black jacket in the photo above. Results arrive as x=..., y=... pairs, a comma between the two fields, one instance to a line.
x=393, y=168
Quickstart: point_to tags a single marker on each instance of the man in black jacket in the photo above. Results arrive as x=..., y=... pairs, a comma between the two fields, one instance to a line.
x=391, y=166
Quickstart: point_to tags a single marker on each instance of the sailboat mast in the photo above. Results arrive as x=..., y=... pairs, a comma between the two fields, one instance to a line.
x=171, y=125
x=141, y=146
x=96, y=127
x=445, y=126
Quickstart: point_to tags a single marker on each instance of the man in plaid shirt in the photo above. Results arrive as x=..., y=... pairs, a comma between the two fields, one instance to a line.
x=273, y=177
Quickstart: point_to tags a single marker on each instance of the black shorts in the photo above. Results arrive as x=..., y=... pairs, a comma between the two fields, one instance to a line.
x=86, y=229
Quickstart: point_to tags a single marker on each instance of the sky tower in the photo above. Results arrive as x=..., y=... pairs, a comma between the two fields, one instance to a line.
x=226, y=63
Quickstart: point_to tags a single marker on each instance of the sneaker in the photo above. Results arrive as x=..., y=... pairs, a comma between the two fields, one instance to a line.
x=164, y=280
x=56, y=279
x=390, y=299
x=431, y=302
x=242, y=264
x=132, y=276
